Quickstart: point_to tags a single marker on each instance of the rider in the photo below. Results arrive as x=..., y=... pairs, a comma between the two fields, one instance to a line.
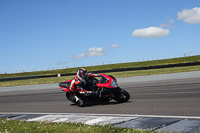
x=81, y=81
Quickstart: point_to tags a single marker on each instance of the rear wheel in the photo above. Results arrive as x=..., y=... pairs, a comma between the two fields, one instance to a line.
x=70, y=97
x=122, y=96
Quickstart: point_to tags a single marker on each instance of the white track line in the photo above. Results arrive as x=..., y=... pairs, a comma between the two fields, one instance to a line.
x=116, y=115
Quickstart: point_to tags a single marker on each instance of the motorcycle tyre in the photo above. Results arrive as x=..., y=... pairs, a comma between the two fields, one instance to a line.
x=119, y=97
x=80, y=103
x=70, y=98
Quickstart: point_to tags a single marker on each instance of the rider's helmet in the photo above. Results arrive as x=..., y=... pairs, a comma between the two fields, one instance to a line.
x=82, y=75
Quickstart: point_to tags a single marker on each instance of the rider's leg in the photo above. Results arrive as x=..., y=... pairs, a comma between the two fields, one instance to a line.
x=79, y=100
x=94, y=89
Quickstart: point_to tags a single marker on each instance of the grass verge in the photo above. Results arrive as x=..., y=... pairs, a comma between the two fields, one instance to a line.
x=116, y=74
x=19, y=126
x=108, y=67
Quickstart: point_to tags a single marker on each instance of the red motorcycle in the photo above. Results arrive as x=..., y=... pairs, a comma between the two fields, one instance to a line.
x=107, y=90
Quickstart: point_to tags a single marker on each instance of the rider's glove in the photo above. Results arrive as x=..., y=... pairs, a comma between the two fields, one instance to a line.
x=99, y=75
x=85, y=83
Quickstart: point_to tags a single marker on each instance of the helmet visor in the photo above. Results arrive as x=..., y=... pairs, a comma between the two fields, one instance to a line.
x=84, y=76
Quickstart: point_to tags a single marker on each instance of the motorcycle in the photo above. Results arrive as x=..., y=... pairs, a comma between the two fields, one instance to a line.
x=107, y=87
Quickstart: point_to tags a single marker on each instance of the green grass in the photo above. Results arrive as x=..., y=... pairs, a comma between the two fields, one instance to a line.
x=18, y=126
x=116, y=74
x=108, y=67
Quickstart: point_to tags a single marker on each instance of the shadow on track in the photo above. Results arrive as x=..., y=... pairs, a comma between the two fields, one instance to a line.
x=91, y=104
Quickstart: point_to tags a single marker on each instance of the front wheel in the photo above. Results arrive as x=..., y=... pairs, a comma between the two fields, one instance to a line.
x=122, y=96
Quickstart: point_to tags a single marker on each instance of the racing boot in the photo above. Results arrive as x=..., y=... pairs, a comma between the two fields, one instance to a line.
x=79, y=101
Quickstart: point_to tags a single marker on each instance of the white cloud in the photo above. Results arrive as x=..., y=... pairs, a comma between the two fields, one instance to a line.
x=151, y=32
x=191, y=16
x=169, y=25
x=79, y=56
x=171, y=21
x=114, y=46
x=166, y=26
x=94, y=51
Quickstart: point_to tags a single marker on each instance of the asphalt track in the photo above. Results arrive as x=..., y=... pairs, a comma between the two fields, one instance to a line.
x=161, y=96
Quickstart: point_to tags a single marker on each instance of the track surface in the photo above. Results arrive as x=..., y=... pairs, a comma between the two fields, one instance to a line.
x=178, y=97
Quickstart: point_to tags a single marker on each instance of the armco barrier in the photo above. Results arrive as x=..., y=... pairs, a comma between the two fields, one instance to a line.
x=105, y=71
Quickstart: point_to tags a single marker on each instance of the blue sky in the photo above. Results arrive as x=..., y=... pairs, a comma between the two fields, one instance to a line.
x=54, y=34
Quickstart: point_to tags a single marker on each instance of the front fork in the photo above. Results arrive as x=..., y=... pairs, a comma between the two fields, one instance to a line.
x=100, y=91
